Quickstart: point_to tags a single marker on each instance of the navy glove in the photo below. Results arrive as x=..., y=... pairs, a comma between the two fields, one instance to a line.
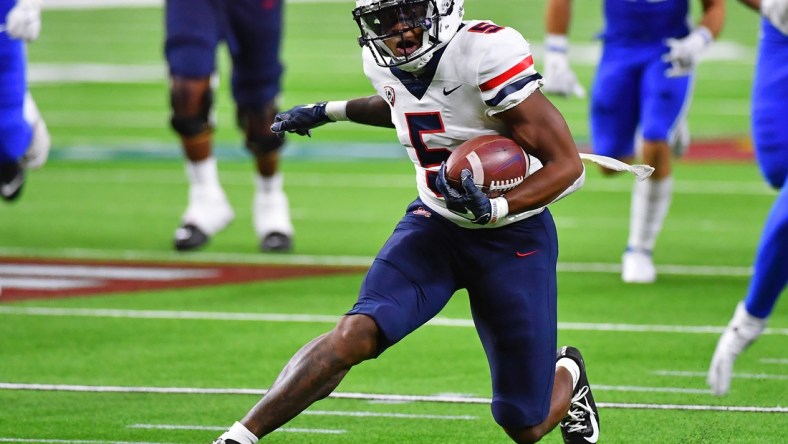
x=470, y=199
x=300, y=119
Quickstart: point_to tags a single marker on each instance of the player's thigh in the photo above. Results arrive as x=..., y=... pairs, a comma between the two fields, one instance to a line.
x=513, y=301
x=769, y=108
x=193, y=31
x=665, y=101
x=615, y=99
x=15, y=132
x=255, y=43
x=412, y=278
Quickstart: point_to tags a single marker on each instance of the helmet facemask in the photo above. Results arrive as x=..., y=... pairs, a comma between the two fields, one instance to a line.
x=402, y=21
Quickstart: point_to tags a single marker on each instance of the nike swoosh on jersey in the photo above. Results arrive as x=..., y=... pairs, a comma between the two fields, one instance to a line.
x=525, y=254
x=447, y=92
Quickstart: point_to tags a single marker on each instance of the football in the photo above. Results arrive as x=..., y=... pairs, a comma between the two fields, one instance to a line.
x=496, y=163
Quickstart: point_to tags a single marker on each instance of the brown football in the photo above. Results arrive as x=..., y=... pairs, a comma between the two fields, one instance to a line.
x=496, y=163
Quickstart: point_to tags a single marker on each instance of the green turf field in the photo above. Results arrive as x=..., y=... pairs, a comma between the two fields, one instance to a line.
x=179, y=365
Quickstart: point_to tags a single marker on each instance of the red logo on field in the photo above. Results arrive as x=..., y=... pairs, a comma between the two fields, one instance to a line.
x=50, y=278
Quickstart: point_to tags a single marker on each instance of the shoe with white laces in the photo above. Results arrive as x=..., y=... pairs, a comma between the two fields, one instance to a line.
x=271, y=217
x=742, y=331
x=38, y=150
x=208, y=213
x=637, y=267
x=581, y=425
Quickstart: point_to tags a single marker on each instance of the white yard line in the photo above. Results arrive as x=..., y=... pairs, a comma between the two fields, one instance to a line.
x=375, y=397
x=331, y=319
x=686, y=374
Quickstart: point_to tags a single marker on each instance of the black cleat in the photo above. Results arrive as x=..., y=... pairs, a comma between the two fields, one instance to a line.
x=225, y=441
x=189, y=237
x=276, y=242
x=581, y=425
x=12, y=177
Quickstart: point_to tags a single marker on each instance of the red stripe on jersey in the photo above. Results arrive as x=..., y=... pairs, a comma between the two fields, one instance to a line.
x=511, y=72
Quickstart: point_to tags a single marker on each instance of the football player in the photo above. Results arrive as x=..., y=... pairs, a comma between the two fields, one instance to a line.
x=641, y=91
x=440, y=81
x=24, y=139
x=770, y=136
x=252, y=31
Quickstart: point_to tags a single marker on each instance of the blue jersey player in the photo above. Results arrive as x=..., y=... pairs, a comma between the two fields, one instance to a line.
x=24, y=140
x=251, y=30
x=641, y=93
x=770, y=135
x=439, y=81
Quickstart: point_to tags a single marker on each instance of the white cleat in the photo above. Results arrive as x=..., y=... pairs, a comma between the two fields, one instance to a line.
x=742, y=330
x=637, y=267
x=208, y=213
x=271, y=218
x=38, y=151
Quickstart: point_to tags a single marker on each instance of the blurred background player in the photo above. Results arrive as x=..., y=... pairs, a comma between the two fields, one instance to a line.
x=252, y=31
x=24, y=139
x=642, y=87
x=770, y=137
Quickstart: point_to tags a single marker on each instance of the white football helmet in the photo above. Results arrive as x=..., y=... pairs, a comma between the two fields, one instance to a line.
x=380, y=20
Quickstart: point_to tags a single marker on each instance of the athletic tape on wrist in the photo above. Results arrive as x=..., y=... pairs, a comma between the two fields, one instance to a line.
x=337, y=111
x=499, y=208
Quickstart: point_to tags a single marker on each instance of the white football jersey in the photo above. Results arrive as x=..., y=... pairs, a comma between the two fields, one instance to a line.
x=485, y=69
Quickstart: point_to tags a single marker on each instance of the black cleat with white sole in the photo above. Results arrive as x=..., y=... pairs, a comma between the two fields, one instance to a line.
x=189, y=237
x=581, y=425
x=276, y=242
x=12, y=177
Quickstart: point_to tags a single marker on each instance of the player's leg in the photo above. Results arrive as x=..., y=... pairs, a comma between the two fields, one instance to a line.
x=193, y=31
x=15, y=133
x=254, y=45
x=410, y=281
x=770, y=276
x=513, y=302
x=663, y=126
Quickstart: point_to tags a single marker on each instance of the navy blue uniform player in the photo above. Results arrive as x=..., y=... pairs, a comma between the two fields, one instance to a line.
x=640, y=96
x=24, y=139
x=770, y=135
x=440, y=81
x=251, y=30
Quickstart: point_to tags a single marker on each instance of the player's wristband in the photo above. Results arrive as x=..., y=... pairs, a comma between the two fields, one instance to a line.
x=704, y=33
x=499, y=208
x=337, y=111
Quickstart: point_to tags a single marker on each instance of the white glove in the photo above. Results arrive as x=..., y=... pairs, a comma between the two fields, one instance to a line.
x=684, y=53
x=558, y=76
x=742, y=330
x=776, y=11
x=24, y=20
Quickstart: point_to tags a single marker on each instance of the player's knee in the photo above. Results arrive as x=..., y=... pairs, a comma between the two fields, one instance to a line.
x=256, y=125
x=355, y=339
x=191, y=101
x=511, y=418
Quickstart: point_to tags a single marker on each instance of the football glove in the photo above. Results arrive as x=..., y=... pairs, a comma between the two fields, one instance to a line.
x=301, y=119
x=24, y=20
x=470, y=203
x=558, y=75
x=776, y=11
x=684, y=53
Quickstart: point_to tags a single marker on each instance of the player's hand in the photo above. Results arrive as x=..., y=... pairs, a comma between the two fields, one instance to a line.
x=684, y=53
x=776, y=11
x=470, y=203
x=301, y=119
x=558, y=75
x=24, y=20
